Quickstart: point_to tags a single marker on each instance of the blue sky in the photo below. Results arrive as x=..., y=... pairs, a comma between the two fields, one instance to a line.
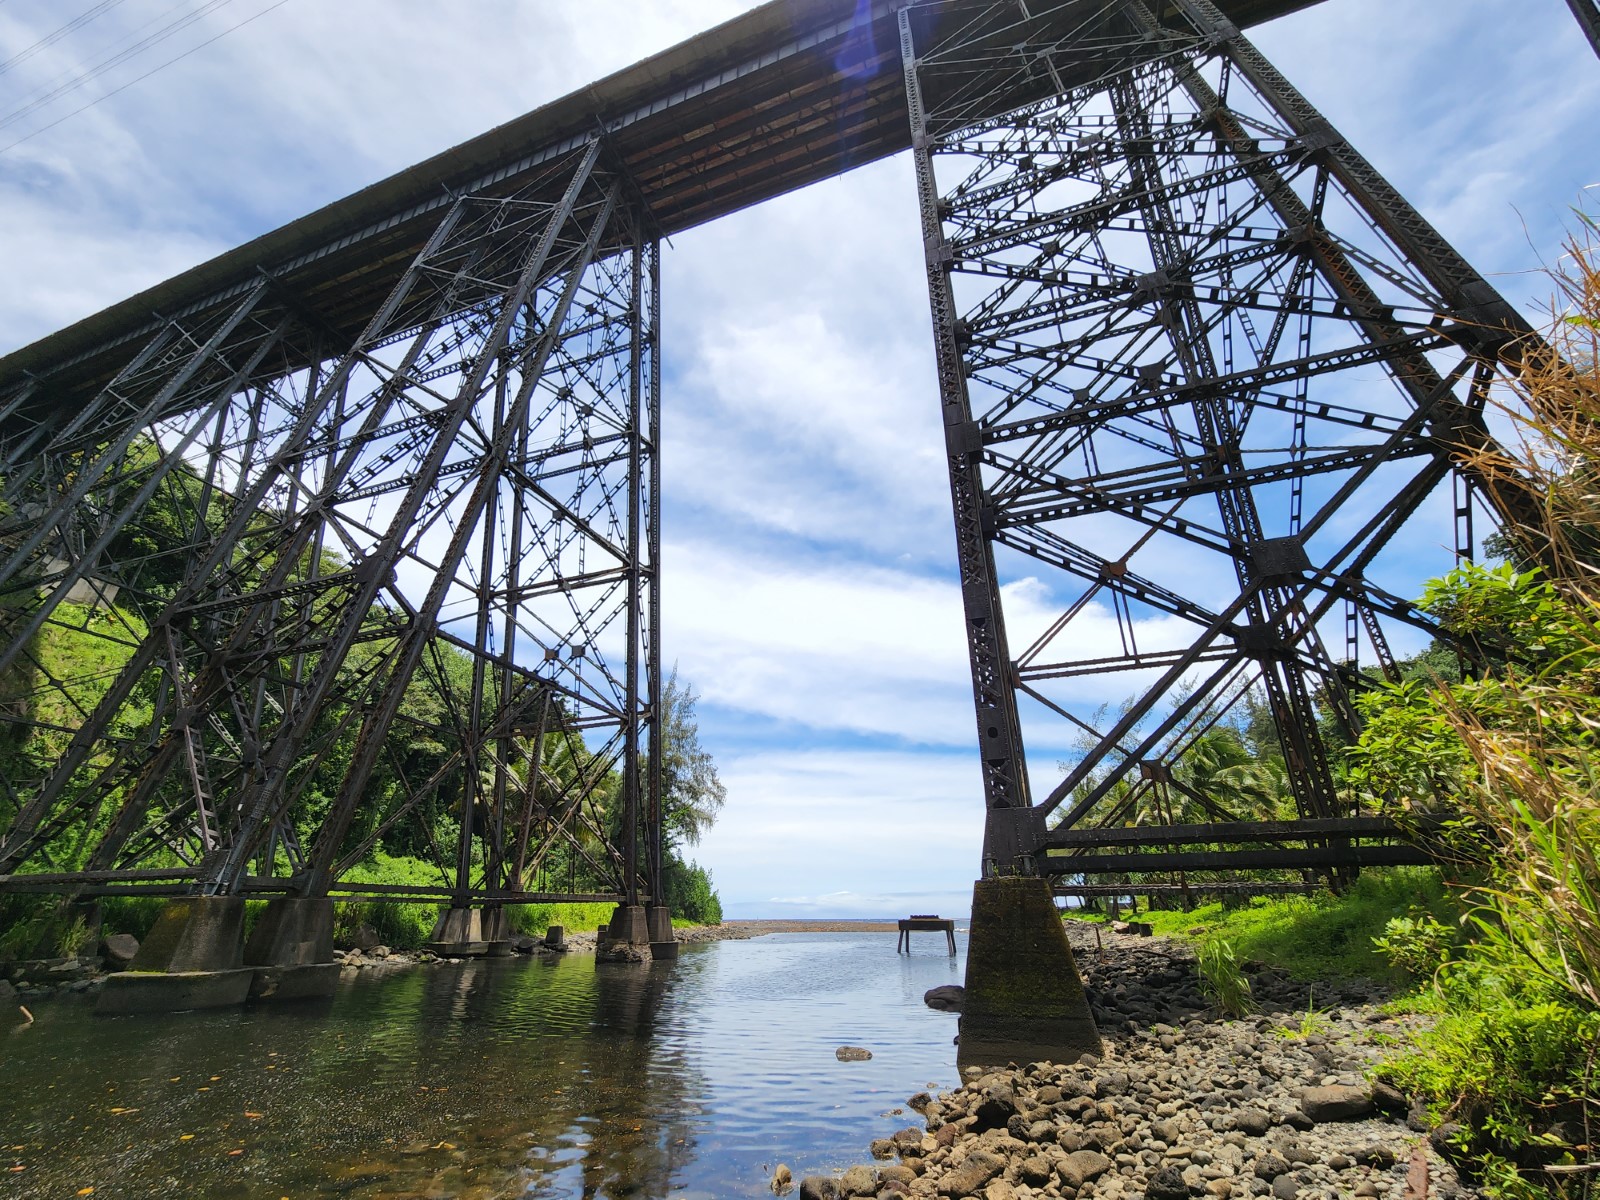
x=808, y=554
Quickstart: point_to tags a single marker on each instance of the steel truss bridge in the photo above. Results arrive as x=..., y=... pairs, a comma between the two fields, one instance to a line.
x=389, y=476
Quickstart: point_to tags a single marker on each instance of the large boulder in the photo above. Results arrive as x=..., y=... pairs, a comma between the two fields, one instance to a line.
x=819, y=1187
x=975, y=1170
x=1081, y=1166
x=947, y=997
x=1335, y=1102
x=118, y=950
x=859, y=1181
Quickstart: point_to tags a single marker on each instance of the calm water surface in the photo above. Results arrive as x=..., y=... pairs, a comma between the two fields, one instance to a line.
x=502, y=1078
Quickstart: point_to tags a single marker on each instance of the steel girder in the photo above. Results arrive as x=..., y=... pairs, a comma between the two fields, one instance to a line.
x=1199, y=363
x=1588, y=14
x=256, y=616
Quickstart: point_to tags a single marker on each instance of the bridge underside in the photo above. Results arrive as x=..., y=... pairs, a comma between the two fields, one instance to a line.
x=349, y=537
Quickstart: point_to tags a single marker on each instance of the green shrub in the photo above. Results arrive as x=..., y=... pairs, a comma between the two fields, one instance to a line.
x=1416, y=944
x=1222, y=980
x=1505, y=1060
x=690, y=893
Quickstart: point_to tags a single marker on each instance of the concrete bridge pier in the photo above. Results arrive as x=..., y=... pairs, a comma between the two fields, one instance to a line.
x=193, y=957
x=1024, y=999
x=291, y=949
x=629, y=926
x=663, y=942
x=462, y=932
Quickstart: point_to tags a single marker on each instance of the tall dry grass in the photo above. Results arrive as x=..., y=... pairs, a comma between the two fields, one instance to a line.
x=1533, y=731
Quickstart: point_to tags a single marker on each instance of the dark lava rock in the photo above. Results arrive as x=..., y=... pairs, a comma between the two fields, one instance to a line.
x=1375, y=1155
x=947, y=997
x=1112, y=1083
x=995, y=1109
x=852, y=1054
x=1285, y=1187
x=1081, y=1166
x=976, y=1170
x=1270, y=1165
x=1335, y=1102
x=1252, y=1121
x=1387, y=1098
x=1295, y=1119
x=819, y=1187
x=1166, y=1184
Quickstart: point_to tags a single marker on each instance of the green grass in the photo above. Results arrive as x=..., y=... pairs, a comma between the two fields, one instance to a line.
x=1315, y=937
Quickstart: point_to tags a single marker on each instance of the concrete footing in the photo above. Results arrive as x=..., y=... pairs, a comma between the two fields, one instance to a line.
x=471, y=933
x=663, y=942
x=173, y=991
x=1024, y=1000
x=291, y=949
x=629, y=926
x=193, y=957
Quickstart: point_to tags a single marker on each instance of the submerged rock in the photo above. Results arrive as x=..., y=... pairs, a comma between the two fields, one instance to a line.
x=852, y=1054
x=947, y=997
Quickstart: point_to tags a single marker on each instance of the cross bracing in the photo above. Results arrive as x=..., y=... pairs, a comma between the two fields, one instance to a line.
x=391, y=471
x=1199, y=365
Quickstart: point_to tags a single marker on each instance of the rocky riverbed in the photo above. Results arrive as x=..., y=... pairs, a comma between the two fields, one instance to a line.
x=1182, y=1103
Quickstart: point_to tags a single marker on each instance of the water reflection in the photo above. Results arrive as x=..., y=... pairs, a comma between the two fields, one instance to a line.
x=488, y=1079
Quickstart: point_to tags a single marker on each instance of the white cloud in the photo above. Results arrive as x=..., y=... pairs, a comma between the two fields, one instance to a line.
x=808, y=573
x=852, y=832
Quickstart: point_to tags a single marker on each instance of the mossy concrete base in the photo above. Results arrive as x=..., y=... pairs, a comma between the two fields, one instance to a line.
x=172, y=991
x=194, y=933
x=1024, y=1000
x=193, y=957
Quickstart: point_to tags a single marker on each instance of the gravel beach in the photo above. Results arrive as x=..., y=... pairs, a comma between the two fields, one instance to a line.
x=1181, y=1104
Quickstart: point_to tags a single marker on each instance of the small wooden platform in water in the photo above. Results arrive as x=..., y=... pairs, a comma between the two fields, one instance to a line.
x=928, y=922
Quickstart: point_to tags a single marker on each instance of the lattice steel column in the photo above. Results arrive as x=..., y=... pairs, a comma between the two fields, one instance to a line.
x=446, y=526
x=1199, y=363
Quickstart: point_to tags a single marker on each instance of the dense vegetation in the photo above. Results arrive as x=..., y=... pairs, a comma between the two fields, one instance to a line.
x=1496, y=765
x=405, y=829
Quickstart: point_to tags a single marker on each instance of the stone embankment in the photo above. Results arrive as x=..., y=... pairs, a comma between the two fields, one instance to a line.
x=1182, y=1103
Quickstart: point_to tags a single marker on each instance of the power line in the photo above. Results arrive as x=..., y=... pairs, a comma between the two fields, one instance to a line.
x=50, y=39
x=153, y=70
x=75, y=82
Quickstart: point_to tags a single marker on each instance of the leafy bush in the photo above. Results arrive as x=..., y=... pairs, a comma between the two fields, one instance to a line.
x=1222, y=980
x=1505, y=1060
x=1322, y=936
x=1416, y=944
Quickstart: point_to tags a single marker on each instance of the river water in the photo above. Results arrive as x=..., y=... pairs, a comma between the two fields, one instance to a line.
x=497, y=1078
